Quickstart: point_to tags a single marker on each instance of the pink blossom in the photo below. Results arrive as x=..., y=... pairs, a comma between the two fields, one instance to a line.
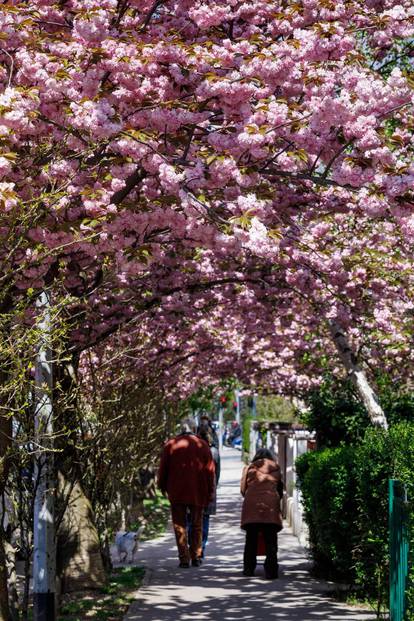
x=169, y=178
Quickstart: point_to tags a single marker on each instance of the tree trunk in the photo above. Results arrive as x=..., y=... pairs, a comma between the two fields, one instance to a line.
x=5, y=446
x=10, y=554
x=80, y=563
x=44, y=534
x=357, y=376
x=5, y=614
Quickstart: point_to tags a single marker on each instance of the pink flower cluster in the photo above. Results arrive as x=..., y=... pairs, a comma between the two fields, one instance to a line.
x=232, y=174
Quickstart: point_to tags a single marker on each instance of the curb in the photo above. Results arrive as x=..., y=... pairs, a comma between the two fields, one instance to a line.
x=145, y=582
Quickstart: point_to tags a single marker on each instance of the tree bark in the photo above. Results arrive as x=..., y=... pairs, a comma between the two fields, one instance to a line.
x=80, y=563
x=357, y=376
x=44, y=534
x=5, y=614
x=5, y=447
x=79, y=559
x=10, y=554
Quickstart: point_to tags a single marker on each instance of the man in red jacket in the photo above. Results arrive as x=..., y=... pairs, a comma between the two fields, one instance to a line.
x=186, y=475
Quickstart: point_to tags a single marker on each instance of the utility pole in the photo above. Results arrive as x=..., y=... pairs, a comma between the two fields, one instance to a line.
x=44, y=553
x=221, y=428
x=254, y=404
x=237, y=395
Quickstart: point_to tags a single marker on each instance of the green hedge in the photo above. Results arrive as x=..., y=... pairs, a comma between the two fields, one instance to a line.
x=382, y=456
x=327, y=484
x=335, y=413
x=338, y=416
x=246, y=424
x=345, y=494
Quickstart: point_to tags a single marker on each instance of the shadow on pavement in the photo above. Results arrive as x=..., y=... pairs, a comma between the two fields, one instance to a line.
x=217, y=591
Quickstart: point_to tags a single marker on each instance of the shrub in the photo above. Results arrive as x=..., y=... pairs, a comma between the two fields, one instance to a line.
x=247, y=421
x=335, y=413
x=345, y=496
x=274, y=408
x=326, y=479
x=338, y=416
x=397, y=400
x=372, y=471
x=383, y=455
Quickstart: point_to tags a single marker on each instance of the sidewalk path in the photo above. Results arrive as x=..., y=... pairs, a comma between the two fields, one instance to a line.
x=217, y=591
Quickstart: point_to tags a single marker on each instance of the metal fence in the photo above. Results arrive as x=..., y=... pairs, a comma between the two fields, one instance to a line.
x=399, y=549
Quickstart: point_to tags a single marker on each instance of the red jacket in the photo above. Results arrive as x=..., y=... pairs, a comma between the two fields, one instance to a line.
x=186, y=471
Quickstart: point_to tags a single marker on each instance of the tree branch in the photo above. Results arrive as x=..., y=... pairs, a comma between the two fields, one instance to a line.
x=150, y=13
x=130, y=185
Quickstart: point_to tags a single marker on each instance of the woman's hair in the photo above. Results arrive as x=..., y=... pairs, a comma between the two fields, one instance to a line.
x=264, y=453
x=205, y=434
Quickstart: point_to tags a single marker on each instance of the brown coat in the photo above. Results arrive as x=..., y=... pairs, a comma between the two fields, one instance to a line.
x=186, y=471
x=259, y=486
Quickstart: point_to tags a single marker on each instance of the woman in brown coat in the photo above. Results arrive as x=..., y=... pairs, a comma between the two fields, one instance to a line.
x=262, y=488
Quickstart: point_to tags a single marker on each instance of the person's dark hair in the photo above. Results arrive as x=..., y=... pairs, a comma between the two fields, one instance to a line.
x=205, y=434
x=264, y=453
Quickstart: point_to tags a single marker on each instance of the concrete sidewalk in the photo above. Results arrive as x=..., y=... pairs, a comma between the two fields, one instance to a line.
x=218, y=591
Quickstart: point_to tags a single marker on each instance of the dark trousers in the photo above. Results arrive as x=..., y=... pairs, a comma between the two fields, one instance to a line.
x=187, y=548
x=250, y=549
x=206, y=526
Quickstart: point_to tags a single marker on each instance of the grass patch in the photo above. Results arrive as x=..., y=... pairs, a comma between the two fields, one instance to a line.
x=156, y=515
x=107, y=604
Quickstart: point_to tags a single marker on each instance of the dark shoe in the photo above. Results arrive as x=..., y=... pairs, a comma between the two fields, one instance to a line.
x=248, y=572
x=271, y=576
x=184, y=564
x=196, y=562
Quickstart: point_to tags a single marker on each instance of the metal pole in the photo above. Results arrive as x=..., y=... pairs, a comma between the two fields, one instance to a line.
x=44, y=553
x=221, y=429
x=399, y=537
x=237, y=395
x=254, y=412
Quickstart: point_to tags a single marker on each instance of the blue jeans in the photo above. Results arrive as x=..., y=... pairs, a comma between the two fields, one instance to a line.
x=206, y=525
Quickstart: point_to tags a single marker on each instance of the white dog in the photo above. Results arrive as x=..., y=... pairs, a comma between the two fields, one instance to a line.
x=127, y=544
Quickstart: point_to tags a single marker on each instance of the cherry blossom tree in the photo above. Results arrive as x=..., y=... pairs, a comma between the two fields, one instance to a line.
x=252, y=159
x=120, y=120
x=125, y=123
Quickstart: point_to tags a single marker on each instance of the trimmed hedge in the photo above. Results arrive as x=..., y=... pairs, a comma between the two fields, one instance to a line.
x=345, y=495
x=326, y=479
x=247, y=420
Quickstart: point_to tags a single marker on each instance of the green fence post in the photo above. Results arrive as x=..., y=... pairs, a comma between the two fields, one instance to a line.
x=399, y=539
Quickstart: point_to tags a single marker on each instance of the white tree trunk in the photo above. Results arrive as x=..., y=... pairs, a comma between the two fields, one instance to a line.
x=358, y=377
x=44, y=542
